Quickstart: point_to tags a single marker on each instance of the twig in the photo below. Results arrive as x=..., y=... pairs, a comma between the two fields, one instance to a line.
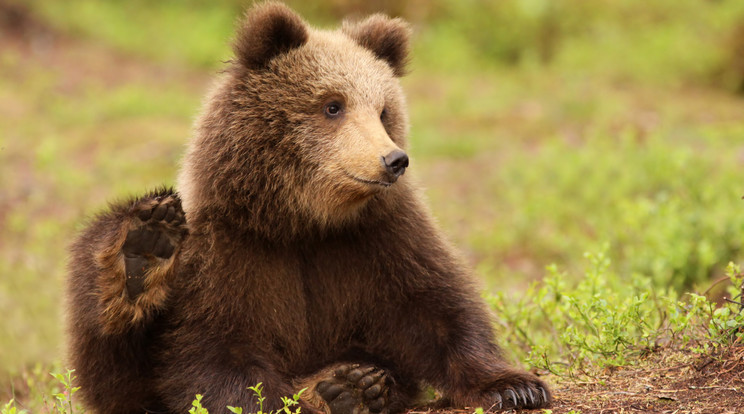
x=713, y=387
x=734, y=302
x=723, y=279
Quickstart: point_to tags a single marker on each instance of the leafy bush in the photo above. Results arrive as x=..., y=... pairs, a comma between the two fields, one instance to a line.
x=667, y=210
x=660, y=42
x=604, y=321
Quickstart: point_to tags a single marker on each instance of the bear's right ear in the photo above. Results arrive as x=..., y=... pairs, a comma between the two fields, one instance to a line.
x=385, y=37
x=269, y=29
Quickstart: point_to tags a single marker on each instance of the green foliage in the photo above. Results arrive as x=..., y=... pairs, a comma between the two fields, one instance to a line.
x=182, y=32
x=668, y=202
x=652, y=200
x=46, y=392
x=508, y=31
x=63, y=399
x=196, y=407
x=10, y=408
x=663, y=41
x=290, y=404
x=604, y=321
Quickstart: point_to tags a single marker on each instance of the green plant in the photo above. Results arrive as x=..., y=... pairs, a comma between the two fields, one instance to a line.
x=10, y=408
x=288, y=407
x=605, y=320
x=63, y=399
x=196, y=407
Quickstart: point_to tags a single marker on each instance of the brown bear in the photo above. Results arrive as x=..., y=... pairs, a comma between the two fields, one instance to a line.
x=295, y=253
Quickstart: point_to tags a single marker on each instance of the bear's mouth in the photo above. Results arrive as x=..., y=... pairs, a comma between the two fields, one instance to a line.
x=366, y=181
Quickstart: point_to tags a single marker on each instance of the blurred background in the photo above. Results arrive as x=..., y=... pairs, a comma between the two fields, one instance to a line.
x=541, y=129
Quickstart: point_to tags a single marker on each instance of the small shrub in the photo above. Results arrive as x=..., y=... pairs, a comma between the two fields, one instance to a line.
x=10, y=408
x=290, y=404
x=63, y=399
x=604, y=321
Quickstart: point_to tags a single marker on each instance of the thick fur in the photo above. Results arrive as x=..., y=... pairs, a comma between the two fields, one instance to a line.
x=98, y=257
x=110, y=331
x=387, y=38
x=302, y=254
x=268, y=31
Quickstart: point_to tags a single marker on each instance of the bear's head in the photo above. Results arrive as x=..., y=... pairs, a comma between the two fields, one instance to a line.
x=305, y=129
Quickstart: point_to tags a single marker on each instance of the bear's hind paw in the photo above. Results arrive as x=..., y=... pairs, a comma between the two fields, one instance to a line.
x=355, y=389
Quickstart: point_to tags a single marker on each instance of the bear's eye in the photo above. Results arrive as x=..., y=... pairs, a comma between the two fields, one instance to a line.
x=332, y=109
x=383, y=115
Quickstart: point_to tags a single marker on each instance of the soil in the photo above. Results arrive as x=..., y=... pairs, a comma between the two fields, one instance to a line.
x=666, y=382
x=670, y=382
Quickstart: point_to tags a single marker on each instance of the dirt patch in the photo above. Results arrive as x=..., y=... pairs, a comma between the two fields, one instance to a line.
x=667, y=382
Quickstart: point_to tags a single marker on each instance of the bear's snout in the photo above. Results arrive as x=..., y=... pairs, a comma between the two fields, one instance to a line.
x=395, y=164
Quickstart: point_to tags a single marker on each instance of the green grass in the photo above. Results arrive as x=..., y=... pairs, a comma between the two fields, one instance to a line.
x=188, y=33
x=620, y=135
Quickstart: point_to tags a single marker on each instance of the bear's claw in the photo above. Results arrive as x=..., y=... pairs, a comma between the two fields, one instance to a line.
x=355, y=389
x=521, y=396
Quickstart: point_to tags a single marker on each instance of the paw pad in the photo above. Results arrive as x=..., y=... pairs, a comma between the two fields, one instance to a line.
x=355, y=389
x=157, y=232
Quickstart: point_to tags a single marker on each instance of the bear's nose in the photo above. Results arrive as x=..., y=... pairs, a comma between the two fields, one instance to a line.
x=396, y=163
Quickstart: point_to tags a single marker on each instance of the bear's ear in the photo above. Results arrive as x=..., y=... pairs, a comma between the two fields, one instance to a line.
x=268, y=29
x=387, y=38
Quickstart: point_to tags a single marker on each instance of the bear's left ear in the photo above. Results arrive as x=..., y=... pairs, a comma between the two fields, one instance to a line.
x=387, y=38
x=269, y=29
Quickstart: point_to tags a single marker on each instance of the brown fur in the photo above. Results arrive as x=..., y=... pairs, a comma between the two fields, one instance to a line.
x=118, y=312
x=268, y=31
x=109, y=333
x=300, y=256
x=387, y=38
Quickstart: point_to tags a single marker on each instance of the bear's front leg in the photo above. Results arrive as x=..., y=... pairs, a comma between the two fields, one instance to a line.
x=511, y=388
x=470, y=369
x=448, y=343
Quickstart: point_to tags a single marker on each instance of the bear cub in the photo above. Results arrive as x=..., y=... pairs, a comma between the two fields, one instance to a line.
x=295, y=252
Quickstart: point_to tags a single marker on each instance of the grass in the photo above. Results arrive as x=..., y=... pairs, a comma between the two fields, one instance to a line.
x=620, y=136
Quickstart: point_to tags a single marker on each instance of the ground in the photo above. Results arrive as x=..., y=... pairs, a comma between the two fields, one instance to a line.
x=51, y=79
x=665, y=382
